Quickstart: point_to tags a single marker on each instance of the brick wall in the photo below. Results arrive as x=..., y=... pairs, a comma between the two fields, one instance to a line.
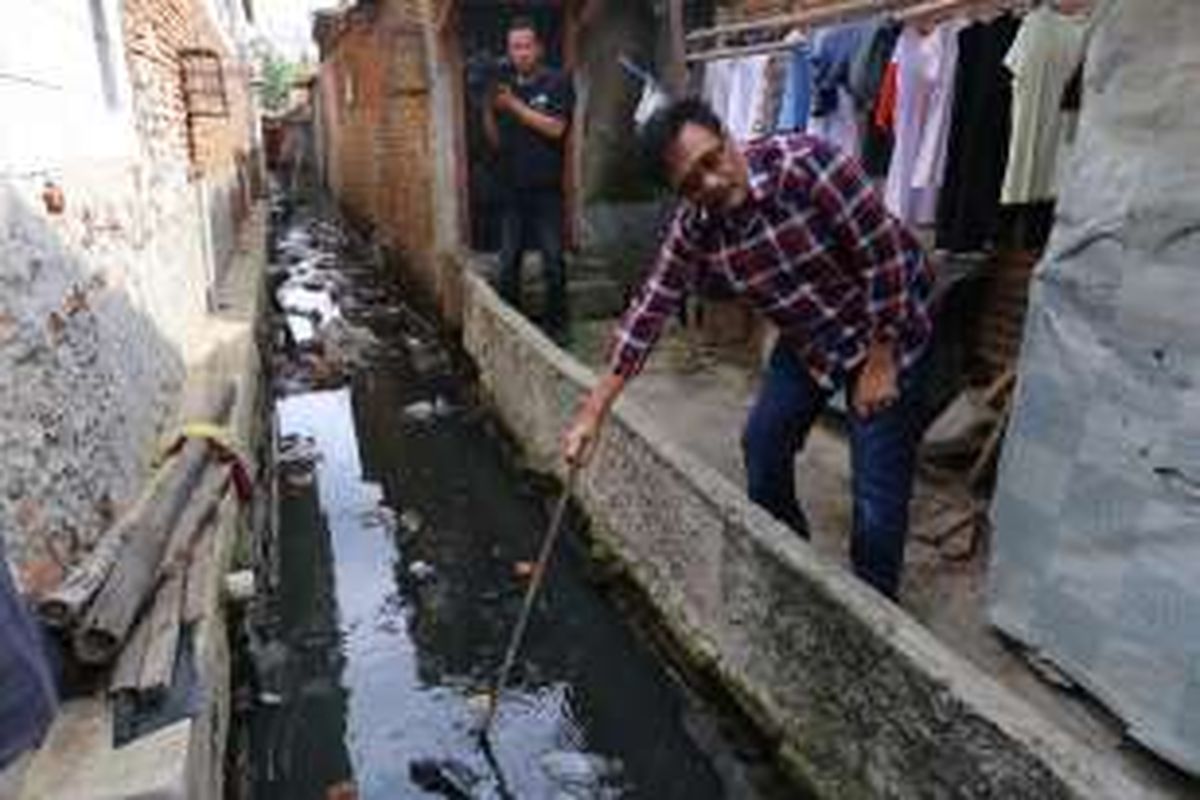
x=376, y=104
x=217, y=150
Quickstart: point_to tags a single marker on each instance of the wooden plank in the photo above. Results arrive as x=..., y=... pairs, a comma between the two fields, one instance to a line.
x=129, y=664
x=196, y=517
x=158, y=663
x=156, y=507
x=135, y=572
x=203, y=563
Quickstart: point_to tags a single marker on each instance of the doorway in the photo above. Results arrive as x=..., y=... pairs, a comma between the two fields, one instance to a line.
x=482, y=33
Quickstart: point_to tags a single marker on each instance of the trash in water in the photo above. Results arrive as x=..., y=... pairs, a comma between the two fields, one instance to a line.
x=380, y=517
x=479, y=703
x=345, y=344
x=444, y=776
x=524, y=569
x=580, y=773
x=299, y=480
x=425, y=410
x=411, y=521
x=419, y=411
x=421, y=570
x=346, y=790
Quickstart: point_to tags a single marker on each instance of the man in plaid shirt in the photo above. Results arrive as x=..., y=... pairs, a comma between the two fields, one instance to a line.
x=795, y=227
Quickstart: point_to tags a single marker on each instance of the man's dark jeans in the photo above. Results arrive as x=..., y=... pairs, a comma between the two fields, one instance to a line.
x=882, y=458
x=535, y=216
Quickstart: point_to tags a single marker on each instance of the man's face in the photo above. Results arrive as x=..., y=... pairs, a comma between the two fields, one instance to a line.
x=705, y=168
x=524, y=50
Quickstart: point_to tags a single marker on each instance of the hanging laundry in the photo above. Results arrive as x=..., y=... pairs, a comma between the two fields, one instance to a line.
x=1047, y=50
x=833, y=115
x=797, y=90
x=718, y=80
x=930, y=167
x=841, y=127
x=969, y=202
x=774, y=86
x=884, y=115
x=867, y=74
x=924, y=79
x=734, y=90
x=870, y=62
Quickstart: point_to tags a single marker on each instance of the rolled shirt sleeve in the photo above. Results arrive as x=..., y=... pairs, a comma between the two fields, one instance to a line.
x=659, y=298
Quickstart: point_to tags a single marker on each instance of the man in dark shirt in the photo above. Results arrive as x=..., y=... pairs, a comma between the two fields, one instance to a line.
x=526, y=122
x=795, y=227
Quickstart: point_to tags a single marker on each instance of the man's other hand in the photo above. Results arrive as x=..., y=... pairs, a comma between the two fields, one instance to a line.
x=877, y=386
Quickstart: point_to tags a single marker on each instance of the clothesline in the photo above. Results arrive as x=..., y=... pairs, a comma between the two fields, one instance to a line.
x=964, y=121
x=823, y=14
x=901, y=10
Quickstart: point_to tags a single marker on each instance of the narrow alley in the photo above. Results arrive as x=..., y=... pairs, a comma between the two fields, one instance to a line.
x=599, y=400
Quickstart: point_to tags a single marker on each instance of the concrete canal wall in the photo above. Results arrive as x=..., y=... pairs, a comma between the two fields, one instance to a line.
x=863, y=701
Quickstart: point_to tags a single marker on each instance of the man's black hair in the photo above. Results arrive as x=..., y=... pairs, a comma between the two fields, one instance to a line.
x=660, y=131
x=523, y=23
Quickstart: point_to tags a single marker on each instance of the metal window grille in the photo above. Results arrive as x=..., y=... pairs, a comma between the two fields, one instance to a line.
x=203, y=83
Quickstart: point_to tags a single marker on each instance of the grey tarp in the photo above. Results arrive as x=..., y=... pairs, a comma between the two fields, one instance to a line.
x=1096, y=560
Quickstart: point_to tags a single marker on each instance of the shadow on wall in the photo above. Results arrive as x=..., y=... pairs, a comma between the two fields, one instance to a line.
x=623, y=210
x=88, y=377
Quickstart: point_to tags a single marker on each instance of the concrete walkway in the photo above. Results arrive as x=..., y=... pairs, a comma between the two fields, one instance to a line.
x=700, y=397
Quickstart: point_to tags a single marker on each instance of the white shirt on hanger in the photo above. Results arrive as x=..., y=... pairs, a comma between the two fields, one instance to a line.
x=921, y=70
x=1042, y=59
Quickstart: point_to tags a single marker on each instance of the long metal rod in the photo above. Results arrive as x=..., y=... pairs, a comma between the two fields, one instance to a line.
x=811, y=16
x=531, y=593
x=900, y=10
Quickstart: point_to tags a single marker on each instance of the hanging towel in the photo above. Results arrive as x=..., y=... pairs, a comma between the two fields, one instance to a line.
x=797, y=90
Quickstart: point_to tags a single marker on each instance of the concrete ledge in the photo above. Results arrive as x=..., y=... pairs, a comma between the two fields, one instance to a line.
x=863, y=700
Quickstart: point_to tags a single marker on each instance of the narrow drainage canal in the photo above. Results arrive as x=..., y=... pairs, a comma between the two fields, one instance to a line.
x=397, y=568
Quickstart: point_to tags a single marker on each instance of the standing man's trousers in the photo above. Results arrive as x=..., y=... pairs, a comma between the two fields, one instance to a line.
x=882, y=456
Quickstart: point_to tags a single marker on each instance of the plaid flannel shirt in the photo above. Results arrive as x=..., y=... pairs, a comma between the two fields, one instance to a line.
x=813, y=248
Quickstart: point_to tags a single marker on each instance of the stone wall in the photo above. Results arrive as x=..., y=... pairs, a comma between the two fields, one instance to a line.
x=863, y=701
x=105, y=258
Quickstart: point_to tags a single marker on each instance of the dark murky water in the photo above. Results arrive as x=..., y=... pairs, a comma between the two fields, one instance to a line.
x=401, y=525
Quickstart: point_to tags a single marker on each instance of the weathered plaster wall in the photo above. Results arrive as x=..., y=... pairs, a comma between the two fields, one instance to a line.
x=100, y=298
x=864, y=701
